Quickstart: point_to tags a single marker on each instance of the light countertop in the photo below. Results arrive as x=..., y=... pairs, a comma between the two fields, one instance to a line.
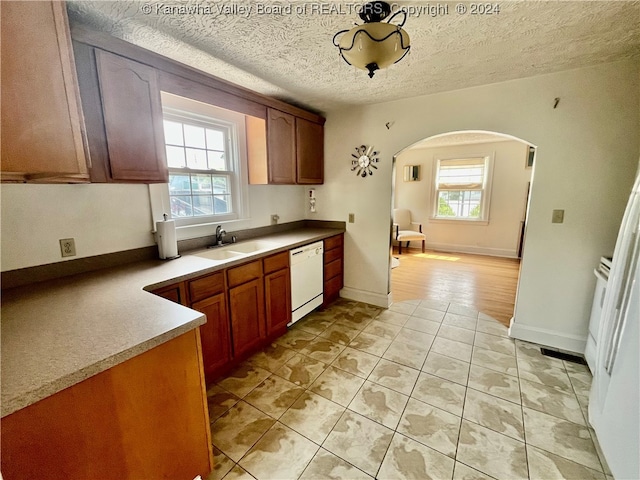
x=57, y=333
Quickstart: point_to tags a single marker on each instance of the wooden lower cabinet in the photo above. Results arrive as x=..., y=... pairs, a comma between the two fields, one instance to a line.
x=246, y=309
x=144, y=418
x=216, y=340
x=277, y=289
x=333, y=268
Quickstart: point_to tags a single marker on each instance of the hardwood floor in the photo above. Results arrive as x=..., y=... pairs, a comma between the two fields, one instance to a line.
x=485, y=283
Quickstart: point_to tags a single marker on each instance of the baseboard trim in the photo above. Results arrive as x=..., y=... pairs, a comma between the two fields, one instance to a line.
x=455, y=248
x=549, y=338
x=377, y=299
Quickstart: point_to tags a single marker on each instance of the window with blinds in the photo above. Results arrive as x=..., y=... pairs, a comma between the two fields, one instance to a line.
x=460, y=188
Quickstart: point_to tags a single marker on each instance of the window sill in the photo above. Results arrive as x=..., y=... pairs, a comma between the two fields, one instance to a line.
x=461, y=221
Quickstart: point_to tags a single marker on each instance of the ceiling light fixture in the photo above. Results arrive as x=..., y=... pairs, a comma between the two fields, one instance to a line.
x=375, y=44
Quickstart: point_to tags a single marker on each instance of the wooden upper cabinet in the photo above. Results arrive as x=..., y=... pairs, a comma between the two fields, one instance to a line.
x=309, y=152
x=42, y=124
x=132, y=112
x=281, y=147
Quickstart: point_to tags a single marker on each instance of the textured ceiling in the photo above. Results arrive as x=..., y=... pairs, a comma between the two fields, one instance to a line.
x=461, y=138
x=291, y=55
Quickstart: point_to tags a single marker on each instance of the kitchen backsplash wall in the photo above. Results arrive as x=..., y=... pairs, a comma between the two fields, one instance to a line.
x=106, y=218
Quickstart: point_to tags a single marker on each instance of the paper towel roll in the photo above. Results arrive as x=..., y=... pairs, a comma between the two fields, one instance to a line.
x=167, y=241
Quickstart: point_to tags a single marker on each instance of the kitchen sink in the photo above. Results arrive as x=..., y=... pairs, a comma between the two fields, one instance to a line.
x=235, y=250
x=251, y=246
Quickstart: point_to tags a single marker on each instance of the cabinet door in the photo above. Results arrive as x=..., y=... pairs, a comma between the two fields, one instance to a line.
x=281, y=147
x=277, y=287
x=216, y=341
x=246, y=304
x=309, y=152
x=42, y=125
x=132, y=118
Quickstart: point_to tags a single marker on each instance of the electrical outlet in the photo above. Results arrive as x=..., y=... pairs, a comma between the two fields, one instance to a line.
x=352, y=218
x=274, y=219
x=557, y=216
x=68, y=247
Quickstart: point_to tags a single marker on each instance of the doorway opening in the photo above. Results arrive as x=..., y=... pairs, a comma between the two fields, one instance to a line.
x=468, y=193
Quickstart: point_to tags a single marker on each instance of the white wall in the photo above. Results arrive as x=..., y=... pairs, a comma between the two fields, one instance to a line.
x=508, y=198
x=108, y=218
x=586, y=159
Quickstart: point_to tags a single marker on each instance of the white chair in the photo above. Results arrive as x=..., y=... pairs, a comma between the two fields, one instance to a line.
x=405, y=230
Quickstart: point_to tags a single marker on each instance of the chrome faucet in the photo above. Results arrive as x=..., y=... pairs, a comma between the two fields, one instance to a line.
x=220, y=233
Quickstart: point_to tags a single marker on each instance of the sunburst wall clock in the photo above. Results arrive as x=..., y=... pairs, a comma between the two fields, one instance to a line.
x=364, y=160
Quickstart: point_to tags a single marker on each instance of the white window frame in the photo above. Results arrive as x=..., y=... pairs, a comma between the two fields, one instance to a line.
x=189, y=111
x=485, y=202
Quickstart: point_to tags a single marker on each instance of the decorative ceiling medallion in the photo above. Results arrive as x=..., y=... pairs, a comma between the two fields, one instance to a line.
x=364, y=160
x=375, y=44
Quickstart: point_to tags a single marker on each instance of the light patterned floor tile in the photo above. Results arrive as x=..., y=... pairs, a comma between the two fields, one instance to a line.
x=322, y=350
x=462, y=310
x=494, y=413
x=301, y=370
x=494, y=383
x=451, y=348
x=405, y=354
x=295, y=339
x=552, y=401
x=274, y=396
x=244, y=379
x=492, y=327
x=457, y=334
x=415, y=338
x=370, y=344
x=238, y=473
x=427, y=313
x=325, y=465
x=564, y=438
x=382, y=329
x=460, y=321
x=581, y=382
x=402, y=307
x=410, y=460
x=492, y=453
x=422, y=325
x=237, y=430
x=435, y=305
x=219, y=401
x=463, y=472
x=314, y=325
x=264, y=460
x=547, y=466
x=430, y=426
x=359, y=441
x=440, y=393
x=221, y=465
x=530, y=353
x=356, y=362
x=337, y=385
x=446, y=367
x=394, y=318
x=394, y=376
x=340, y=334
x=550, y=376
x=272, y=357
x=495, y=344
x=495, y=361
x=379, y=404
x=312, y=416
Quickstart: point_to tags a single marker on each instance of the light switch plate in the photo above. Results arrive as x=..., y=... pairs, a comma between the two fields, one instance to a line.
x=68, y=247
x=557, y=216
x=352, y=218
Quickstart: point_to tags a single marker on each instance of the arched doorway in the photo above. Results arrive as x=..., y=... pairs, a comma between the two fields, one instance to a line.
x=469, y=191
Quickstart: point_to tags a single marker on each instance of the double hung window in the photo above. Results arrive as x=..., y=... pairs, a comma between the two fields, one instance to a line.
x=461, y=189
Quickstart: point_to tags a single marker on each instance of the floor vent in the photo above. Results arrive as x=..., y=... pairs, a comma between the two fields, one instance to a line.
x=563, y=356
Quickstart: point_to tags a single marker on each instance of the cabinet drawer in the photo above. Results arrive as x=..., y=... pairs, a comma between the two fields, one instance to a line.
x=332, y=255
x=205, y=287
x=332, y=288
x=332, y=269
x=175, y=293
x=244, y=273
x=276, y=262
x=333, y=242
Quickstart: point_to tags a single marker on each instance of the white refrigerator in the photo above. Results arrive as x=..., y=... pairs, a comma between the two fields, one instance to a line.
x=614, y=402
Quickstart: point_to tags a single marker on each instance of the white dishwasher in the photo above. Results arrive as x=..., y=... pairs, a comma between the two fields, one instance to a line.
x=306, y=279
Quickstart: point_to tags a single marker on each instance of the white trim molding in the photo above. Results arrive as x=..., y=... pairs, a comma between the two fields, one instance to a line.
x=458, y=248
x=550, y=338
x=372, y=298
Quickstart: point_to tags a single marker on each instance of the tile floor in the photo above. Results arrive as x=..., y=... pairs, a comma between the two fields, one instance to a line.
x=424, y=390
